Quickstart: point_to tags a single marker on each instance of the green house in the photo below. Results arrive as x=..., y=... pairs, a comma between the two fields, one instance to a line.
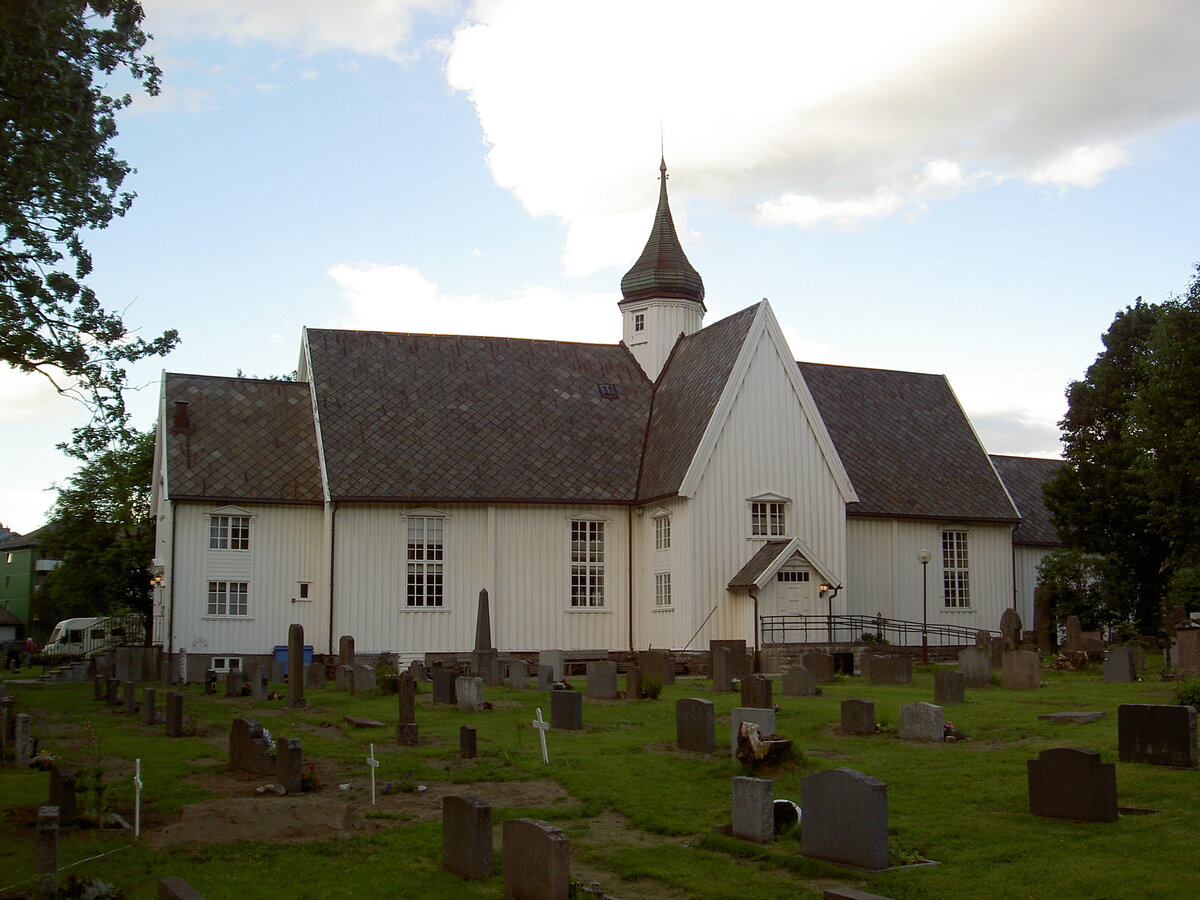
x=23, y=565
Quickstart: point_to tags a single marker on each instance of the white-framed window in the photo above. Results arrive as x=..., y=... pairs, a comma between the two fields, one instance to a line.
x=956, y=576
x=228, y=532
x=426, y=555
x=793, y=575
x=662, y=533
x=662, y=589
x=587, y=563
x=304, y=590
x=228, y=598
x=768, y=518
x=639, y=322
x=226, y=663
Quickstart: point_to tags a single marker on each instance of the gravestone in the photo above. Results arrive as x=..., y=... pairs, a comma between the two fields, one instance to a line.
x=922, y=722
x=346, y=650
x=175, y=888
x=820, y=665
x=566, y=710
x=173, y=718
x=416, y=669
x=22, y=742
x=149, y=706
x=695, y=725
x=602, y=680
x=633, y=683
x=736, y=663
x=468, y=742
x=295, y=685
x=362, y=678
x=1010, y=629
x=233, y=683
x=722, y=669
x=1071, y=718
x=553, y=659
x=258, y=685
x=469, y=691
x=62, y=791
x=545, y=678
x=249, y=750
x=891, y=670
x=798, y=682
x=406, y=726
x=46, y=860
x=518, y=674
x=949, y=688
x=763, y=718
x=1020, y=670
x=1187, y=649
x=858, y=717
x=99, y=687
x=845, y=818
x=278, y=673
x=756, y=692
x=1069, y=783
x=1074, y=633
x=444, y=686
x=467, y=837
x=658, y=664
x=314, y=676
x=975, y=666
x=536, y=860
x=112, y=692
x=289, y=765
x=1118, y=666
x=129, y=697
x=754, y=809
x=1157, y=734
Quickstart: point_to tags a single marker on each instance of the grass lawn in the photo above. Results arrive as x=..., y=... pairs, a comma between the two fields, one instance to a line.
x=638, y=812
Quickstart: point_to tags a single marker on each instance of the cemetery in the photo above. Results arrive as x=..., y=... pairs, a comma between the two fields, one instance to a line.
x=432, y=782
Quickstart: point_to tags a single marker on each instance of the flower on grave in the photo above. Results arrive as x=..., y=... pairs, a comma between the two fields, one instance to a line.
x=488, y=704
x=270, y=741
x=42, y=761
x=309, y=780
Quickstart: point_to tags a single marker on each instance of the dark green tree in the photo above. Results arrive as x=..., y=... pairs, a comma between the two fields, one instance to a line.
x=59, y=178
x=102, y=528
x=1085, y=585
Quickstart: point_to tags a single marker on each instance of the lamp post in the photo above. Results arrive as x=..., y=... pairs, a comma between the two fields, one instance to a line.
x=923, y=557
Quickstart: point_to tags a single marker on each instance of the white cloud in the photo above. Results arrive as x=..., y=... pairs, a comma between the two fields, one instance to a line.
x=399, y=298
x=813, y=113
x=30, y=397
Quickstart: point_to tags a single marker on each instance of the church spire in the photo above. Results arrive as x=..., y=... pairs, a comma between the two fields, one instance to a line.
x=662, y=272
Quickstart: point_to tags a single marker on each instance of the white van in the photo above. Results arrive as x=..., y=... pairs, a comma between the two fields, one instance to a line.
x=75, y=637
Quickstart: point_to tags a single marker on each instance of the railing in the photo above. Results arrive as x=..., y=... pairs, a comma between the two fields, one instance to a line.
x=852, y=629
x=132, y=630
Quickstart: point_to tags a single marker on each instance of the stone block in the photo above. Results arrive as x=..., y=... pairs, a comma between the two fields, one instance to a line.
x=949, y=688
x=798, y=682
x=467, y=837
x=922, y=722
x=363, y=679
x=258, y=684
x=845, y=818
x=602, y=680
x=112, y=692
x=633, y=683
x=346, y=650
x=536, y=861
x=763, y=718
x=976, y=667
x=417, y=670
x=820, y=665
x=249, y=750
x=891, y=670
x=129, y=697
x=753, y=809
x=314, y=676
x=858, y=717
x=295, y=682
x=545, y=678
x=233, y=683
x=695, y=725
x=468, y=689
x=174, y=714
x=175, y=888
x=553, y=659
x=1069, y=783
x=1118, y=666
x=518, y=674
x=658, y=664
x=722, y=669
x=444, y=686
x=1157, y=734
x=566, y=710
x=22, y=741
x=149, y=706
x=289, y=764
x=725, y=668
x=756, y=692
x=1071, y=718
x=468, y=742
x=1021, y=670
x=62, y=791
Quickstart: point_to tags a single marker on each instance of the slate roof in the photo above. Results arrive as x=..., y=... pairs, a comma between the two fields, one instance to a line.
x=663, y=270
x=419, y=417
x=907, y=445
x=242, y=440
x=684, y=399
x=1024, y=477
x=748, y=575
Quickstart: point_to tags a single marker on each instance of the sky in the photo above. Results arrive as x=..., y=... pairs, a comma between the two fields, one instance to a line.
x=965, y=187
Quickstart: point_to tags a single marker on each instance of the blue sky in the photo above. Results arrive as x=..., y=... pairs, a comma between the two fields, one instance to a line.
x=968, y=188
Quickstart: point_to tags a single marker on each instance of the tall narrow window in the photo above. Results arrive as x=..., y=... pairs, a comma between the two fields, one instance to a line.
x=228, y=598
x=587, y=563
x=425, y=561
x=662, y=533
x=228, y=532
x=662, y=589
x=768, y=519
x=956, y=579
x=639, y=322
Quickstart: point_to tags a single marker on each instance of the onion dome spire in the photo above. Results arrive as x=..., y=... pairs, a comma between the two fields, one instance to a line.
x=662, y=271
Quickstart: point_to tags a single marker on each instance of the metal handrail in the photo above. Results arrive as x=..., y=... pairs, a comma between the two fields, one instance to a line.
x=129, y=630
x=786, y=629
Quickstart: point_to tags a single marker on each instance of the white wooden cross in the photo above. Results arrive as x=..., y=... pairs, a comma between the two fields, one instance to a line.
x=541, y=727
x=374, y=764
x=137, y=798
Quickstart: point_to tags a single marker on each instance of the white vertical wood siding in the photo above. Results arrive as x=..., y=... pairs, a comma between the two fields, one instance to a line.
x=767, y=446
x=656, y=626
x=285, y=549
x=1027, y=559
x=519, y=553
x=885, y=575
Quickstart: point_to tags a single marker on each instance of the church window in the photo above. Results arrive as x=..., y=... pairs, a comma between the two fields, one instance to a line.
x=662, y=533
x=587, y=563
x=228, y=598
x=425, y=561
x=956, y=578
x=768, y=519
x=228, y=532
x=639, y=322
x=662, y=589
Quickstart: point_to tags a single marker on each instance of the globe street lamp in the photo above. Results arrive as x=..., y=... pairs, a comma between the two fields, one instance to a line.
x=923, y=557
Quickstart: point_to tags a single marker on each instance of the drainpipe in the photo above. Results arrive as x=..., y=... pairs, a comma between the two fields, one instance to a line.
x=332, y=557
x=754, y=597
x=629, y=583
x=171, y=591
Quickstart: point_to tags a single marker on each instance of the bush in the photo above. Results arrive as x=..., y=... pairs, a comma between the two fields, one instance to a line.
x=651, y=687
x=1187, y=692
x=386, y=673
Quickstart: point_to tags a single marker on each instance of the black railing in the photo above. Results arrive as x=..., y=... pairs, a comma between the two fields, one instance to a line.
x=131, y=630
x=852, y=629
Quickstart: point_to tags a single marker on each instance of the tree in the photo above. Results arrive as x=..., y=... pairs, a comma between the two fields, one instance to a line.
x=102, y=528
x=1085, y=585
x=59, y=177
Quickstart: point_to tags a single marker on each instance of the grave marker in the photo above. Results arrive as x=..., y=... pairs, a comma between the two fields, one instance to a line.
x=536, y=861
x=1020, y=670
x=891, y=670
x=468, y=745
x=289, y=765
x=137, y=798
x=541, y=727
x=922, y=722
x=1119, y=667
x=975, y=665
x=149, y=706
x=566, y=710
x=602, y=680
x=406, y=694
x=22, y=742
x=1069, y=783
x=62, y=791
x=799, y=682
x=373, y=764
x=469, y=691
x=174, y=714
x=754, y=809
x=545, y=678
x=129, y=697
x=444, y=686
x=695, y=725
x=949, y=688
x=258, y=684
x=845, y=818
x=553, y=659
x=763, y=718
x=467, y=837
x=46, y=864
x=756, y=692
x=249, y=749
x=295, y=656
x=1157, y=734
x=820, y=665
x=858, y=717
x=633, y=683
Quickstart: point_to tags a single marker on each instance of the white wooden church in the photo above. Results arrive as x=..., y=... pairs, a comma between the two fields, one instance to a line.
x=660, y=492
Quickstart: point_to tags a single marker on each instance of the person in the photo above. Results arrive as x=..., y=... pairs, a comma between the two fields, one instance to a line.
x=30, y=649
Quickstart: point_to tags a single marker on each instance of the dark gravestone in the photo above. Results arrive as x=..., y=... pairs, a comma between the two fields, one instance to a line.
x=346, y=650
x=633, y=683
x=798, y=682
x=518, y=674
x=99, y=687
x=891, y=670
x=314, y=676
x=536, y=861
x=46, y=858
x=545, y=678
x=289, y=764
x=602, y=680
x=821, y=666
x=467, y=837
x=362, y=678
x=62, y=792
x=249, y=750
x=1010, y=629
x=756, y=692
x=129, y=697
x=468, y=743
x=736, y=663
x=1021, y=670
x=112, y=692
x=566, y=710
x=858, y=717
x=1119, y=667
x=258, y=684
x=174, y=714
x=657, y=664
x=233, y=683
x=295, y=686
x=175, y=888
x=1159, y=735
x=949, y=688
x=443, y=686
x=406, y=726
x=553, y=659
x=149, y=706
x=975, y=666
x=695, y=725
x=722, y=669
x=845, y=818
x=1069, y=783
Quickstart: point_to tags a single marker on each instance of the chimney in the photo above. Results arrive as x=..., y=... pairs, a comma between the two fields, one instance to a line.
x=181, y=421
